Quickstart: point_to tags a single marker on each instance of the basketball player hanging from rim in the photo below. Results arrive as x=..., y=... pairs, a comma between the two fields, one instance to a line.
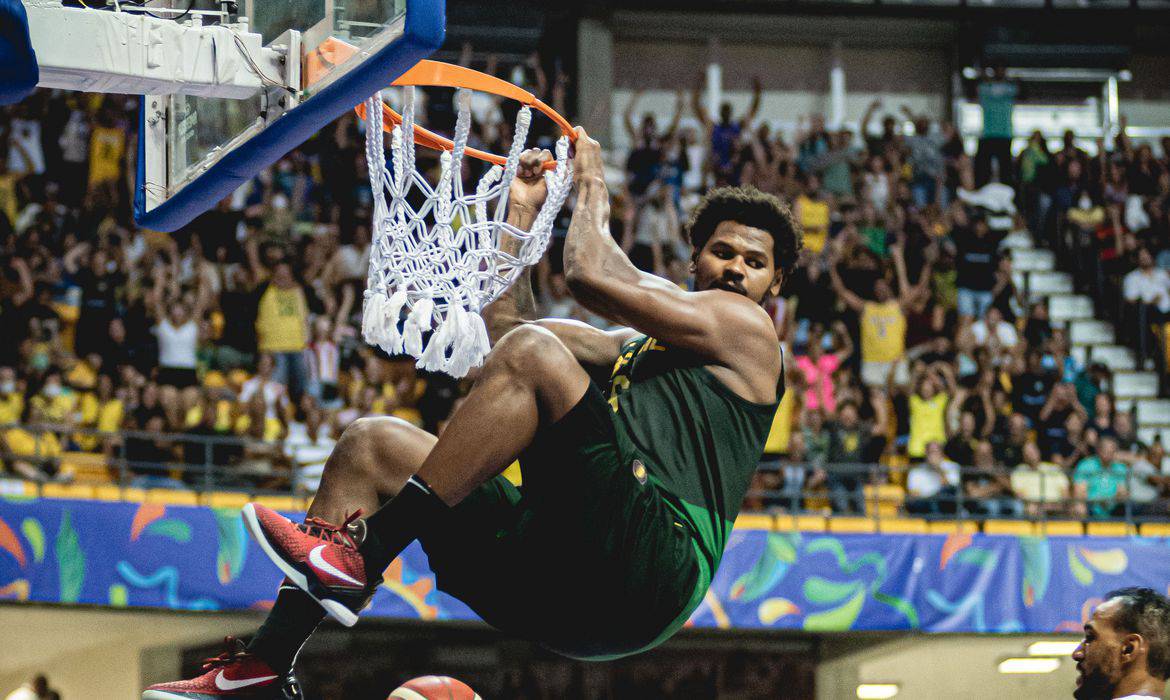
x=629, y=491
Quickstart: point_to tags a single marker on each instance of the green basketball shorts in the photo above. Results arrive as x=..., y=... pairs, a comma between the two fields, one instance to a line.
x=585, y=558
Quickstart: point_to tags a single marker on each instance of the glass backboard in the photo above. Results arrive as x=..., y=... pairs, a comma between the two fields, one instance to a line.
x=196, y=150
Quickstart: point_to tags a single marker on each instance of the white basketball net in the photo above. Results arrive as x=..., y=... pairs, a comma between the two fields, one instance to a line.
x=440, y=264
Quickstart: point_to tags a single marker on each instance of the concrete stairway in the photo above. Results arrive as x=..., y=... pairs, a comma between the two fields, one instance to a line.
x=1134, y=387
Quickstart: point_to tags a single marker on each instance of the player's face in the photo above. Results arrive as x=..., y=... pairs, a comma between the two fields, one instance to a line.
x=1099, y=657
x=738, y=258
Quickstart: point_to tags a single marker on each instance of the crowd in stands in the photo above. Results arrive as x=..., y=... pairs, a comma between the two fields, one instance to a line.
x=912, y=355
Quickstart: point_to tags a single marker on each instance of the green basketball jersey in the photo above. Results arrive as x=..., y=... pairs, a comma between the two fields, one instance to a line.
x=697, y=440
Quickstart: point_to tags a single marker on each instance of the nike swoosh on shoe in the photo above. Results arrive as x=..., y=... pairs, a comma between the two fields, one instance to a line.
x=317, y=560
x=224, y=683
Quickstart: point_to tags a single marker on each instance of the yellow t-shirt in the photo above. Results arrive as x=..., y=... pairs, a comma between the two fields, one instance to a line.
x=11, y=407
x=8, y=196
x=82, y=375
x=883, y=332
x=927, y=422
x=781, y=431
x=280, y=322
x=814, y=219
x=106, y=417
x=106, y=148
x=26, y=444
x=110, y=415
x=58, y=409
x=87, y=407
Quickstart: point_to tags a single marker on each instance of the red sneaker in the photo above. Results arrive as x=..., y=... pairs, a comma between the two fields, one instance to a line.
x=320, y=558
x=233, y=674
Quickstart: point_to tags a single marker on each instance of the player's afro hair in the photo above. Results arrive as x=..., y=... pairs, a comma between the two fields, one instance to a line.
x=750, y=207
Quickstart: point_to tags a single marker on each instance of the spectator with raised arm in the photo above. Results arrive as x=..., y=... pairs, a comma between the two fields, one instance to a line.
x=646, y=144
x=928, y=403
x=724, y=135
x=827, y=353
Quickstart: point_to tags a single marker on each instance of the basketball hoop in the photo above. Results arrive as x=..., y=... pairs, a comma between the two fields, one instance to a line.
x=441, y=263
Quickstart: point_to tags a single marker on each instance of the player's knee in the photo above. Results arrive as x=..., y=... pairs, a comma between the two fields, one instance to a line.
x=528, y=349
x=364, y=438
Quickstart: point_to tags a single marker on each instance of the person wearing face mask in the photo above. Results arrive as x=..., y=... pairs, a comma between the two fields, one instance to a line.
x=1125, y=653
x=11, y=398
x=54, y=402
x=31, y=453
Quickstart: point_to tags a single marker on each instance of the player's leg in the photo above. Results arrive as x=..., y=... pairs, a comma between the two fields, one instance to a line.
x=369, y=465
x=529, y=380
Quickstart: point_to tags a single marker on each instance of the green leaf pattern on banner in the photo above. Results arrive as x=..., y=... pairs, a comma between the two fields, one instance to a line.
x=35, y=534
x=70, y=560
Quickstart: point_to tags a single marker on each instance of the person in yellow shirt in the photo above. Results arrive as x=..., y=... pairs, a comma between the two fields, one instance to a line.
x=8, y=201
x=928, y=412
x=781, y=431
x=54, y=403
x=31, y=453
x=102, y=411
x=812, y=210
x=11, y=397
x=107, y=148
x=883, y=328
x=282, y=327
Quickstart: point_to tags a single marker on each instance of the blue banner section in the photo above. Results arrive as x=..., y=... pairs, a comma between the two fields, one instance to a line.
x=151, y=555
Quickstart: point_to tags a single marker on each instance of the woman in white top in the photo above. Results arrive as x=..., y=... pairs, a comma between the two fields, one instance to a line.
x=177, y=331
x=654, y=233
x=877, y=183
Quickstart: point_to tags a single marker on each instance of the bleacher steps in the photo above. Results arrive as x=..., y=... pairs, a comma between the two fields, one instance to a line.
x=1149, y=434
x=1016, y=240
x=1046, y=283
x=1033, y=260
x=1117, y=358
x=1091, y=332
x=1070, y=307
x=1153, y=412
x=1135, y=385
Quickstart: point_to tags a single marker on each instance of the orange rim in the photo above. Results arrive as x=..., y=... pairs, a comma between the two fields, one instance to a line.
x=435, y=73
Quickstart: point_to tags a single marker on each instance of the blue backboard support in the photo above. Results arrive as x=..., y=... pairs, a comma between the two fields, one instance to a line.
x=424, y=31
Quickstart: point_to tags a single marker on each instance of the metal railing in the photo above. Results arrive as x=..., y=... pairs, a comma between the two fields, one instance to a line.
x=231, y=463
x=877, y=491
x=179, y=460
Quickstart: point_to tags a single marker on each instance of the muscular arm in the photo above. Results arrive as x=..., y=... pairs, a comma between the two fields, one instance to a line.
x=517, y=306
x=604, y=280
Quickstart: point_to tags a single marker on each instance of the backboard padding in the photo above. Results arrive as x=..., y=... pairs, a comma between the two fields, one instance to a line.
x=423, y=32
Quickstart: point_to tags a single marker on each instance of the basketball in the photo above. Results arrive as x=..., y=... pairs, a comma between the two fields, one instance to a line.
x=434, y=688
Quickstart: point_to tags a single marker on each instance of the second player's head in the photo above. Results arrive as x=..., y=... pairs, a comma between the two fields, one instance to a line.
x=744, y=241
x=1126, y=649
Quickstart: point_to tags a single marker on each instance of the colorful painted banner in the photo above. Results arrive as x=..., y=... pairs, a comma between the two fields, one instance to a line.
x=191, y=558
